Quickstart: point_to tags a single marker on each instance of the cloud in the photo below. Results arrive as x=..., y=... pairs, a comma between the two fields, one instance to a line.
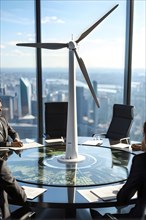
x=19, y=33
x=22, y=53
x=12, y=43
x=2, y=46
x=52, y=19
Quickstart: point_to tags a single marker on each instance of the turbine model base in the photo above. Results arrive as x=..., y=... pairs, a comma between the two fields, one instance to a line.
x=63, y=159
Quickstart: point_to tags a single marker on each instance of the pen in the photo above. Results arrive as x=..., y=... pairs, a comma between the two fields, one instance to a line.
x=94, y=193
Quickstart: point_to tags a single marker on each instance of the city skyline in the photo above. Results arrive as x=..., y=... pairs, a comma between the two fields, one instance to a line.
x=55, y=89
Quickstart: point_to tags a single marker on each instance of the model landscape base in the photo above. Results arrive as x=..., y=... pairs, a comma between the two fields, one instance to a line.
x=63, y=159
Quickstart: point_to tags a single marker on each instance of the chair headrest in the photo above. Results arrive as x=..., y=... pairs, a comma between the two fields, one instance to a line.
x=123, y=111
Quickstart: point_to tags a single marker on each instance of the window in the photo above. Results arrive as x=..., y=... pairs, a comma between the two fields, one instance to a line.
x=138, y=91
x=18, y=75
x=102, y=51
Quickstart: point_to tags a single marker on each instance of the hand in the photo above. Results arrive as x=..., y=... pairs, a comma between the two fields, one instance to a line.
x=17, y=143
x=143, y=144
x=136, y=147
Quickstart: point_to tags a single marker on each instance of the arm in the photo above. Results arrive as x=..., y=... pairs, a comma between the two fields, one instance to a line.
x=143, y=144
x=9, y=132
x=128, y=191
x=134, y=181
x=12, y=133
x=15, y=136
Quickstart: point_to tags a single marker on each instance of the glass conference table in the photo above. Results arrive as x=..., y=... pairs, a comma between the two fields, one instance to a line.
x=39, y=167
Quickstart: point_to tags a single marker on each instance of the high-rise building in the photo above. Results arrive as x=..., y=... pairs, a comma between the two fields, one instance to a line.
x=8, y=106
x=24, y=99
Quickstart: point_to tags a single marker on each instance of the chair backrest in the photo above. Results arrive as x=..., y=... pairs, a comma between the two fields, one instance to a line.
x=56, y=119
x=121, y=122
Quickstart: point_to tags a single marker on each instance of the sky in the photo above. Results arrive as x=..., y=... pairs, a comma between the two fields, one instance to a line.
x=63, y=21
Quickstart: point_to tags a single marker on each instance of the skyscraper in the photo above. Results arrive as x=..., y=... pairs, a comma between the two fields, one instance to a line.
x=24, y=99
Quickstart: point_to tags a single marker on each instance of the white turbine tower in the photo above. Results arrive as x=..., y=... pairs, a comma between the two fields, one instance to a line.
x=71, y=154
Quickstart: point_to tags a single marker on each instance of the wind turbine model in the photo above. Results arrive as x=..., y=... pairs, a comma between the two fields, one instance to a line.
x=71, y=140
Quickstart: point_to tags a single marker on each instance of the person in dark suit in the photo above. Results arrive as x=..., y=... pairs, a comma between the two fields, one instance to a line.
x=9, y=188
x=7, y=131
x=142, y=145
x=136, y=182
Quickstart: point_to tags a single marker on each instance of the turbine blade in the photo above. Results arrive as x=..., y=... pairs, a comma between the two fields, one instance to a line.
x=52, y=46
x=83, y=35
x=85, y=74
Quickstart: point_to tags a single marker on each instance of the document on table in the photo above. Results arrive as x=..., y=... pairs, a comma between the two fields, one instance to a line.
x=93, y=142
x=106, y=193
x=55, y=141
x=121, y=145
x=33, y=192
x=86, y=193
x=27, y=146
x=4, y=148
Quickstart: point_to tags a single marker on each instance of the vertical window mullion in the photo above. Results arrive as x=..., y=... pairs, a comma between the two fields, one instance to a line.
x=39, y=68
x=128, y=52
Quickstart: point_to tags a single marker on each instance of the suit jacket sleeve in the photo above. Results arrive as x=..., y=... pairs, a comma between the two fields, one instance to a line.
x=135, y=180
x=8, y=131
x=9, y=184
x=12, y=133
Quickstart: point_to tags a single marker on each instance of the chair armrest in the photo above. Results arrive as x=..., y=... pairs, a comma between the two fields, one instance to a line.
x=109, y=216
x=101, y=135
x=125, y=140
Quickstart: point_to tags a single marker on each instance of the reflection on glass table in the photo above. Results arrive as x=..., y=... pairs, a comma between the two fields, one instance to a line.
x=102, y=165
x=40, y=167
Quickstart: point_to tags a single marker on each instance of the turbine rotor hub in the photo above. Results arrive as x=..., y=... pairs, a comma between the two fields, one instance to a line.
x=72, y=45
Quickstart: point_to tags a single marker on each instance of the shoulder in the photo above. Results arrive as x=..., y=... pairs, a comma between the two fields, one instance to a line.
x=3, y=119
x=140, y=159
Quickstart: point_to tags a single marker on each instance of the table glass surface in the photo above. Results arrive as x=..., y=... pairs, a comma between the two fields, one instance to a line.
x=40, y=166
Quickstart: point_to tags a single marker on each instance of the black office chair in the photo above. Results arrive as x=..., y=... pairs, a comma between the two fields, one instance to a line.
x=21, y=213
x=123, y=216
x=56, y=119
x=121, y=122
x=110, y=216
x=96, y=215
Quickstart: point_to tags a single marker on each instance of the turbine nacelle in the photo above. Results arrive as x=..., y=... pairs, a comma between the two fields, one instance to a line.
x=72, y=45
